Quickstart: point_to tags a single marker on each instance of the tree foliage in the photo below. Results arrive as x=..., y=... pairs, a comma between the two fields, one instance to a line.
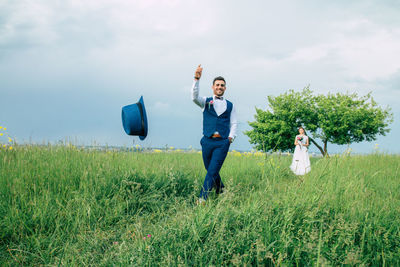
x=335, y=118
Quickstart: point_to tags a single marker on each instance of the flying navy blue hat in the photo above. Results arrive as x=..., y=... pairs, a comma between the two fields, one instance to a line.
x=134, y=119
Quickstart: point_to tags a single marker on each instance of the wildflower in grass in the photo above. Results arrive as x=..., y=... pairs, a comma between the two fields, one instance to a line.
x=9, y=139
x=237, y=154
x=4, y=128
x=271, y=161
x=11, y=147
x=1, y=127
x=259, y=154
x=171, y=148
x=149, y=235
x=1, y=134
x=115, y=242
x=157, y=150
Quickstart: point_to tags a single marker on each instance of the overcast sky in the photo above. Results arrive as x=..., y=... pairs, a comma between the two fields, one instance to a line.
x=68, y=66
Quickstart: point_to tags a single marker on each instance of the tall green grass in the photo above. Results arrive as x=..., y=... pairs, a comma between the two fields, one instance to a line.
x=60, y=205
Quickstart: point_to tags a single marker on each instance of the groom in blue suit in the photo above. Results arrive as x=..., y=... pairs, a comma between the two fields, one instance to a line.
x=219, y=131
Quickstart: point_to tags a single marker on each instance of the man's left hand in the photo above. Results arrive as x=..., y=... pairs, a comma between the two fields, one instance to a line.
x=230, y=140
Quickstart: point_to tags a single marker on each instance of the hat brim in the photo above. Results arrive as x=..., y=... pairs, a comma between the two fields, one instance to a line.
x=142, y=137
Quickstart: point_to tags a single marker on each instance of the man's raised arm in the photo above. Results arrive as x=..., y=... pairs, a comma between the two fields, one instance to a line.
x=200, y=101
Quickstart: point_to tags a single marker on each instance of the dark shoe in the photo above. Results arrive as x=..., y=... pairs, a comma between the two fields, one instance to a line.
x=219, y=191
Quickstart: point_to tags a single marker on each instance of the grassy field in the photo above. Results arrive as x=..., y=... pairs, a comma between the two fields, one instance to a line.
x=61, y=205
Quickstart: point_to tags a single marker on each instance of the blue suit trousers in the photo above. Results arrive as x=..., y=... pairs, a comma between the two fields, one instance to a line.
x=214, y=151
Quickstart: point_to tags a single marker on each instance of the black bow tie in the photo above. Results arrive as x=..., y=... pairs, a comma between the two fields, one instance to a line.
x=219, y=97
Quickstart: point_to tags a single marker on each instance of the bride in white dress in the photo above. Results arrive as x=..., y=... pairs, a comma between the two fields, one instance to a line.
x=301, y=160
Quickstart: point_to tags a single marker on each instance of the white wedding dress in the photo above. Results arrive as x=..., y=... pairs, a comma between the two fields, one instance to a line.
x=301, y=160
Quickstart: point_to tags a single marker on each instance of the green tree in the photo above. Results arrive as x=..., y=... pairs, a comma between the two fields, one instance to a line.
x=334, y=118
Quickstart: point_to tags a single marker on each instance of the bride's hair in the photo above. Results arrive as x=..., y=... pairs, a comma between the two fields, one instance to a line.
x=301, y=127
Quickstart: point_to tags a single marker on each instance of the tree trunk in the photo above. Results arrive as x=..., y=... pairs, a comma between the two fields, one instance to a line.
x=323, y=150
x=319, y=147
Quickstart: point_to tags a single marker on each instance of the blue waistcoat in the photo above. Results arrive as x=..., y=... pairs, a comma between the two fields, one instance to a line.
x=213, y=123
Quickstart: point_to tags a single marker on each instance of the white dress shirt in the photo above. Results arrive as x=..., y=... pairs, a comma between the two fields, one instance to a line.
x=219, y=107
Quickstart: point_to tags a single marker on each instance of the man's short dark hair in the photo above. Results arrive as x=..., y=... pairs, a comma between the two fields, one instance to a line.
x=219, y=78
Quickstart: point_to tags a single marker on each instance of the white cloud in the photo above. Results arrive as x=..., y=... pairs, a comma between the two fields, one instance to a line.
x=27, y=22
x=161, y=106
x=152, y=47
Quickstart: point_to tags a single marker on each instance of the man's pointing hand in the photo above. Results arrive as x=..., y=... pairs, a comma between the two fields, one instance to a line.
x=197, y=74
